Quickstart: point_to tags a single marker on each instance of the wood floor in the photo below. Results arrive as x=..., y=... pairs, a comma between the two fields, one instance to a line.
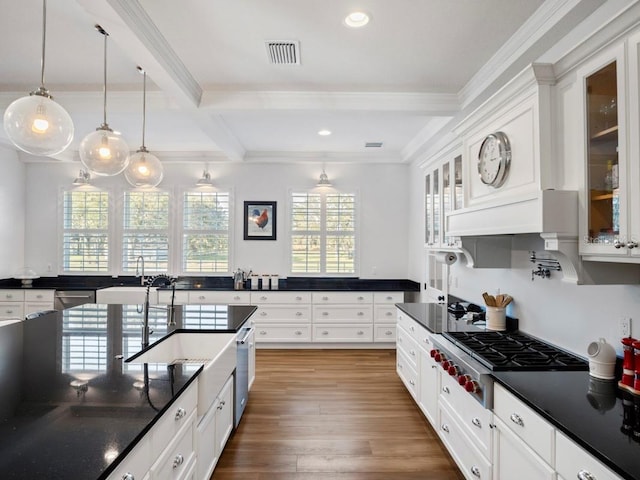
x=332, y=415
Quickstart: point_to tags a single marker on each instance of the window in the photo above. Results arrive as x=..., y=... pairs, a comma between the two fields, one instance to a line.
x=323, y=233
x=85, y=238
x=146, y=230
x=205, y=237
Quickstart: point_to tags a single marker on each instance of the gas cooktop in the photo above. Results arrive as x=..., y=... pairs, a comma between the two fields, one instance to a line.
x=502, y=351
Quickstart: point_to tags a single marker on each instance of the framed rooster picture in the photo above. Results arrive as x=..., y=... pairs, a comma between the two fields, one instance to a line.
x=260, y=220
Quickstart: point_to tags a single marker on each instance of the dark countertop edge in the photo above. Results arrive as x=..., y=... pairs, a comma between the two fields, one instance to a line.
x=557, y=424
x=94, y=282
x=112, y=466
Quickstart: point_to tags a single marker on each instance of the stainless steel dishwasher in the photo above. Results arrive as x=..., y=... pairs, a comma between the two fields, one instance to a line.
x=70, y=298
x=242, y=373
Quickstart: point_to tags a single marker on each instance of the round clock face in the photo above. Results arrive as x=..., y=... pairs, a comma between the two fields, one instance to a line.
x=494, y=159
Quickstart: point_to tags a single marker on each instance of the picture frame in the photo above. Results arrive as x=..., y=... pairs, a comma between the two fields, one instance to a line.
x=260, y=220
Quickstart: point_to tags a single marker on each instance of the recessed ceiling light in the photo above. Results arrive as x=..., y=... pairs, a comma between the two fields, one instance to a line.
x=356, y=19
x=324, y=132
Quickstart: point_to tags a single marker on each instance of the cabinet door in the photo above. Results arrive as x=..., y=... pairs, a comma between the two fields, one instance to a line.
x=604, y=224
x=437, y=277
x=252, y=358
x=634, y=140
x=429, y=386
x=512, y=458
x=428, y=211
x=224, y=415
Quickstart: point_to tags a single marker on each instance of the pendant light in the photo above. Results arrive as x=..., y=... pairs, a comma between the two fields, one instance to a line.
x=36, y=124
x=104, y=152
x=205, y=180
x=145, y=169
x=324, y=180
x=83, y=178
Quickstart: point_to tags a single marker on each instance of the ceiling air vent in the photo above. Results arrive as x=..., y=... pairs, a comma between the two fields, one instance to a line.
x=373, y=145
x=283, y=52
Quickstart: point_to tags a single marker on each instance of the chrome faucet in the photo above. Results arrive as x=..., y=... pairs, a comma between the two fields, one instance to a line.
x=170, y=309
x=140, y=273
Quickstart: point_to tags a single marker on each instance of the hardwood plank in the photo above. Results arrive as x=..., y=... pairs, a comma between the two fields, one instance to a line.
x=332, y=415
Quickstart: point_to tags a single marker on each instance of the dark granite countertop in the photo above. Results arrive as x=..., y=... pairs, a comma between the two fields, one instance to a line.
x=594, y=413
x=47, y=428
x=94, y=282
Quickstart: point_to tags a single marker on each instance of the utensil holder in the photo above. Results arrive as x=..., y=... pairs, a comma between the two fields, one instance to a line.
x=496, y=318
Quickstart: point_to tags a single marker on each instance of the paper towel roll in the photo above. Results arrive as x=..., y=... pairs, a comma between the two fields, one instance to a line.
x=447, y=258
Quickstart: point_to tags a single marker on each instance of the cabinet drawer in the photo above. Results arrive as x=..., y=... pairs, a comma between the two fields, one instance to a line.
x=283, y=313
x=408, y=347
x=258, y=298
x=227, y=298
x=32, y=307
x=468, y=458
x=384, y=314
x=11, y=295
x=137, y=462
x=175, y=418
x=343, y=333
x=181, y=298
x=342, y=314
x=472, y=417
x=525, y=423
x=407, y=373
x=39, y=296
x=388, y=297
x=384, y=333
x=11, y=310
x=176, y=461
x=283, y=333
x=342, y=297
x=572, y=459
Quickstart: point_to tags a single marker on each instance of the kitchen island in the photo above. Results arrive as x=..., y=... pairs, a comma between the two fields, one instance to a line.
x=70, y=406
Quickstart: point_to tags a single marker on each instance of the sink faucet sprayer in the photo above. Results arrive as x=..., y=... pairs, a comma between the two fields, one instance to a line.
x=140, y=273
x=170, y=309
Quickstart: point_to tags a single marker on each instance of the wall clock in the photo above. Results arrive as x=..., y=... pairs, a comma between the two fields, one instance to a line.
x=494, y=159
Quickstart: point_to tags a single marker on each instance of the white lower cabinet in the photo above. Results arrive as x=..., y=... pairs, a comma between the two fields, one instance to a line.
x=18, y=303
x=574, y=462
x=213, y=431
x=177, y=459
x=429, y=387
x=342, y=333
x=470, y=460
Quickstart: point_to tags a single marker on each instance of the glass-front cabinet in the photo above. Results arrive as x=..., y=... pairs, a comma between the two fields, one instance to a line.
x=443, y=194
x=605, y=225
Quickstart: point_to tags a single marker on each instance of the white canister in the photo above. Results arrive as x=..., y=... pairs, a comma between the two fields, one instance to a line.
x=254, y=279
x=496, y=318
x=275, y=279
x=266, y=282
x=602, y=360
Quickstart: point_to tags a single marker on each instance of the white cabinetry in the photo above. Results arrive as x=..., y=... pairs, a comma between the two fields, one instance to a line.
x=573, y=462
x=384, y=315
x=214, y=297
x=342, y=316
x=524, y=443
x=17, y=303
x=282, y=316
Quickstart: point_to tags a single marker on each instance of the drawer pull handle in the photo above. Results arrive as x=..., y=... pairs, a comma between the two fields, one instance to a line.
x=236, y=297
x=360, y=332
x=413, y=384
x=360, y=314
x=517, y=419
x=38, y=296
x=263, y=298
x=128, y=476
x=412, y=328
x=389, y=314
x=262, y=332
x=9, y=295
x=201, y=297
x=585, y=475
x=221, y=404
x=180, y=413
x=325, y=314
x=389, y=298
x=476, y=422
x=263, y=314
x=446, y=390
x=325, y=298
x=445, y=427
x=360, y=299
x=325, y=332
x=298, y=298
x=179, y=460
x=298, y=314
x=413, y=353
x=388, y=332
x=9, y=311
x=298, y=332
x=475, y=471
x=426, y=340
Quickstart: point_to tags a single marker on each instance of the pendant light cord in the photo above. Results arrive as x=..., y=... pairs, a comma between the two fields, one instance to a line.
x=44, y=37
x=144, y=104
x=104, y=88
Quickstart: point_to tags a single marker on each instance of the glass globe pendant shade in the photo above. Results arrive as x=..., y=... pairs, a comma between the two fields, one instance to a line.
x=104, y=152
x=144, y=170
x=38, y=125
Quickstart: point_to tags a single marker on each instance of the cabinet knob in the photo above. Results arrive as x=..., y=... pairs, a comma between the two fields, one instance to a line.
x=263, y=298
x=325, y=298
x=360, y=299
x=585, y=475
x=517, y=419
x=325, y=314
x=389, y=297
x=445, y=389
x=388, y=332
x=298, y=314
x=298, y=332
x=128, y=476
x=360, y=314
x=298, y=298
x=618, y=243
x=389, y=314
x=237, y=297
x=179, y=460
x=360, y=332
x=263, y=314
x=413, y=384
x=201, y=297
x=476, y=422
x=475, y=471
x=262, y=332
x=445, y=427
x=632, y=244
x=180, y=413
x=325, y=332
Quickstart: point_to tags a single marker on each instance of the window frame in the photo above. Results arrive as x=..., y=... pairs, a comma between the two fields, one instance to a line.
x=323, y=232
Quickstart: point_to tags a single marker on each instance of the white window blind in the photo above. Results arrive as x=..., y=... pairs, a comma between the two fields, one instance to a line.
x=85, y=238
x=323, y=233
x=146, y=230
x=205, y=238
x=84, y=339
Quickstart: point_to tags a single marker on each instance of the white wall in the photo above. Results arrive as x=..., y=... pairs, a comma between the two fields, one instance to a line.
x=12, y=213
x=383, y=209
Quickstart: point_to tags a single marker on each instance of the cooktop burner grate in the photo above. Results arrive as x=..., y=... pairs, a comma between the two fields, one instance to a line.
x=515, y=351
